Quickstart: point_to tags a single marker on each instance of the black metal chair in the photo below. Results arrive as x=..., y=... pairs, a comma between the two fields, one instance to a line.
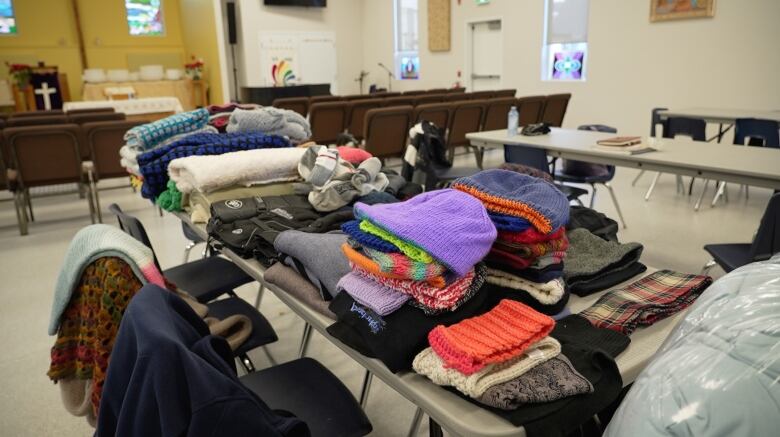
x=766, y=243
x=603, y=177
x=310, y=391
x=207, y=279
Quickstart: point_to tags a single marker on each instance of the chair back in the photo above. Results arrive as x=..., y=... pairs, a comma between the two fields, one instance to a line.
x=322, y=99
x=134, y=228
x=90, y=110
x=655, y=120
x=587, y=171
x=3, y=175
x=483, y=95
x=437, y=91
x=465, y=117
x=37, y=120
x=45, y=155
x=403, y=100
x=758, y=132
x=457, y=90
x=356, y=115
x=103, y=140
x=457, y=97
x=351, y=97
x=37, y=113
x=297, y=104
x=555, y=109
x=530, y=109
x=423, y=99
x=436, y=113
x=413, y=92
x=505, y=93
x=767, y=241
x=684, y=126
x=96, y=116
x=327, y=121
x=384, y=94
x=386, y=130
x=497, y=112
x=530, y=156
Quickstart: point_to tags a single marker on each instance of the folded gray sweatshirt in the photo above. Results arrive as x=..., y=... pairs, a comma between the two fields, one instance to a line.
x=271, y=121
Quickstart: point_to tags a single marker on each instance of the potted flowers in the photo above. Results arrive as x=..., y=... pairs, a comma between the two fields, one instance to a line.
x=195, y=68
x=20, y=74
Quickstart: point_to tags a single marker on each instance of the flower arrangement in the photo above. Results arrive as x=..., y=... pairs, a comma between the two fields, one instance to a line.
x=195, y=68
x=20, y=74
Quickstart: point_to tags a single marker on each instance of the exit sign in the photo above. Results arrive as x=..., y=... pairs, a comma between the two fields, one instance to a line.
x=482, y=2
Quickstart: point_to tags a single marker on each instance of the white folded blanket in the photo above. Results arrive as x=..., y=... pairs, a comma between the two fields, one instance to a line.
x=248, y=167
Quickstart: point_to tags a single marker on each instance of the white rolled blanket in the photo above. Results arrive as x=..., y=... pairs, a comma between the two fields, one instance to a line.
x=248, y=167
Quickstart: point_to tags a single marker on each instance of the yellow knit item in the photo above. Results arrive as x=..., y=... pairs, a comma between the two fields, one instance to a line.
x=407, y=249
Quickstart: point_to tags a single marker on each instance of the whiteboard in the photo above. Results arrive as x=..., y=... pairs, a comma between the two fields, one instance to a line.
x=296, y=58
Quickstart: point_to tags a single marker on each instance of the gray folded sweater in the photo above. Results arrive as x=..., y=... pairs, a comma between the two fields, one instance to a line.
x=271, y=121
x=320, y=254
x=588, y=254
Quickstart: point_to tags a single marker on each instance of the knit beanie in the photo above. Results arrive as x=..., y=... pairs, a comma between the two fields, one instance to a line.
x=509, y=223
x=404, y=247
x=502, y=333
x=550, y=381
x=519, y=195
x=352, y=228
x=431, y=365
x=451, y=226
x=382, y=300
x=370, y=265
x=402, y=265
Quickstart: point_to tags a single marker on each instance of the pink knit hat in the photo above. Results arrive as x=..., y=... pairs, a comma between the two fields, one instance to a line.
x=353, y=155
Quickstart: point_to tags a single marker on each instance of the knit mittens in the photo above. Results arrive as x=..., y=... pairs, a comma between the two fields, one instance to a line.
x=501, y=334
x=428, y=363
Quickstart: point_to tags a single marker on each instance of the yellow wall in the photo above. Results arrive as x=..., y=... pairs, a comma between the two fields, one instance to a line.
x=199, y=32
x=47, y=32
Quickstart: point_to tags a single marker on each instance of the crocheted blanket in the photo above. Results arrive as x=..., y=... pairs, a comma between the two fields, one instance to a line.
x=154, y=163
x=89, y=244
x=250, y=167
x=149, y=135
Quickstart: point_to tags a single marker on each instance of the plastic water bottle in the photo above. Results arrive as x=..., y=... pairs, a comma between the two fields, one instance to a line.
x=512, y=122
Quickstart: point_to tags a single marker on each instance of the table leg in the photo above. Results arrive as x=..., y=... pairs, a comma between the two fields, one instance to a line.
x=652, y=186
x=719, y=193
x=305, y=340
x=418, y=413
x=367, y=378
x=701, y=196
x=434, y=430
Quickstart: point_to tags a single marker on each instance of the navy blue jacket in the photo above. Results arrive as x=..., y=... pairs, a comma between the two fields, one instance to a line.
x=167, y=376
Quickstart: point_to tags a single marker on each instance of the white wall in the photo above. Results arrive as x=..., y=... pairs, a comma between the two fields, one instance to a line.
x=729, y=61
x=340, y=16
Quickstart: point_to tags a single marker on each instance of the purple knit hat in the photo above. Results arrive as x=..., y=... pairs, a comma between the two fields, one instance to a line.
x=382, y=300
x=452, y=226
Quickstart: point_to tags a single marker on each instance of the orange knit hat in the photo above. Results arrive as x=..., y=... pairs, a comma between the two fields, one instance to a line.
x=371, y=266
x=501, y=334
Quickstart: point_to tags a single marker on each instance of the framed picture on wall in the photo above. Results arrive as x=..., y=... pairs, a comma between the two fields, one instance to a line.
x=663, y=10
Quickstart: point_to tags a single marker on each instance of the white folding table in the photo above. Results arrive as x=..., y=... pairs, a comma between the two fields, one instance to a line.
x=446, y=409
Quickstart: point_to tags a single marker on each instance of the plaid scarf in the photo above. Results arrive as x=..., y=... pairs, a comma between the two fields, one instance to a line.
x=644, y=302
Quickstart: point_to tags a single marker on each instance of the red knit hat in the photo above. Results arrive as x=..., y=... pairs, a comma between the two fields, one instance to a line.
x=501, y=334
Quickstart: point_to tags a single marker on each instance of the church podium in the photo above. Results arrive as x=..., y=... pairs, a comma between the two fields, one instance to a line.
x=266, y=95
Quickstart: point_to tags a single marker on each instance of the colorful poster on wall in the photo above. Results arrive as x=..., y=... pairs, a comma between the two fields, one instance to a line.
x=568, y=65
x=410, y=67
x=662, y=10
x=293, y=58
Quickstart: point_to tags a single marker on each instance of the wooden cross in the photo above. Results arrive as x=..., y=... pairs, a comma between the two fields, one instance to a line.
x=46, y=92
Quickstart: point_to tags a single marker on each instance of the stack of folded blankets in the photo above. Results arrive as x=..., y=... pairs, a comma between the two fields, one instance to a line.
x=502, y=350
x=425, y=251
x=530, y=215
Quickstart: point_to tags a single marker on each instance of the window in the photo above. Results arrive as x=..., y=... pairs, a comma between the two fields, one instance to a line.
x=7, y=19
x=144, y=17
x=565, y=50
x=407, y=51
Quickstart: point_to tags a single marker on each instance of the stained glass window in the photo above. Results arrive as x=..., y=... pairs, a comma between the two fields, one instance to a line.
x=7, y=18
x=565, y=50
x=144, y=17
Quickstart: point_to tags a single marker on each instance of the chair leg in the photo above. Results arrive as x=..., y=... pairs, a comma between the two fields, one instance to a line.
x=479, y=155
x=718, y=193
x=259, y=298
x=28, y=200
x=305, y=340
x=415, y=426
x=652, y=186
x=246, y=363
x=701, y=196
x=680, y=185
x=434, y=429
x=21, y=213
x=690, y=186
x=271, y=358
x=592, y=195
x=641, y=172
x=95, y=196
x=708, y=266
x=187, y=250
x=365, y=389
x=615, y=201
x=90, y=203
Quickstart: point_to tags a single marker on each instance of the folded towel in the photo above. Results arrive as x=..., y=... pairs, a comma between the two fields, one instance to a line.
x=502, y=333
x=147, y=136
x=475, y=385
x=249, y=167
x=271, y=121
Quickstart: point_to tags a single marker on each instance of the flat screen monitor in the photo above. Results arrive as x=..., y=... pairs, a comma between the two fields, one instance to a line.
x=309, y=3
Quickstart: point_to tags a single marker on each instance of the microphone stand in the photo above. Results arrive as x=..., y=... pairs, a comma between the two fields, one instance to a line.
x=390, y=76
x=360, y=78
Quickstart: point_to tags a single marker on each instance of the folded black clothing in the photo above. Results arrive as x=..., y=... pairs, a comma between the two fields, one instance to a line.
x=591, y=350
x=594, y=221
x=396, y=338
x=330, y=222
x=228, y=211
x=607, y=279
x=590, y=257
